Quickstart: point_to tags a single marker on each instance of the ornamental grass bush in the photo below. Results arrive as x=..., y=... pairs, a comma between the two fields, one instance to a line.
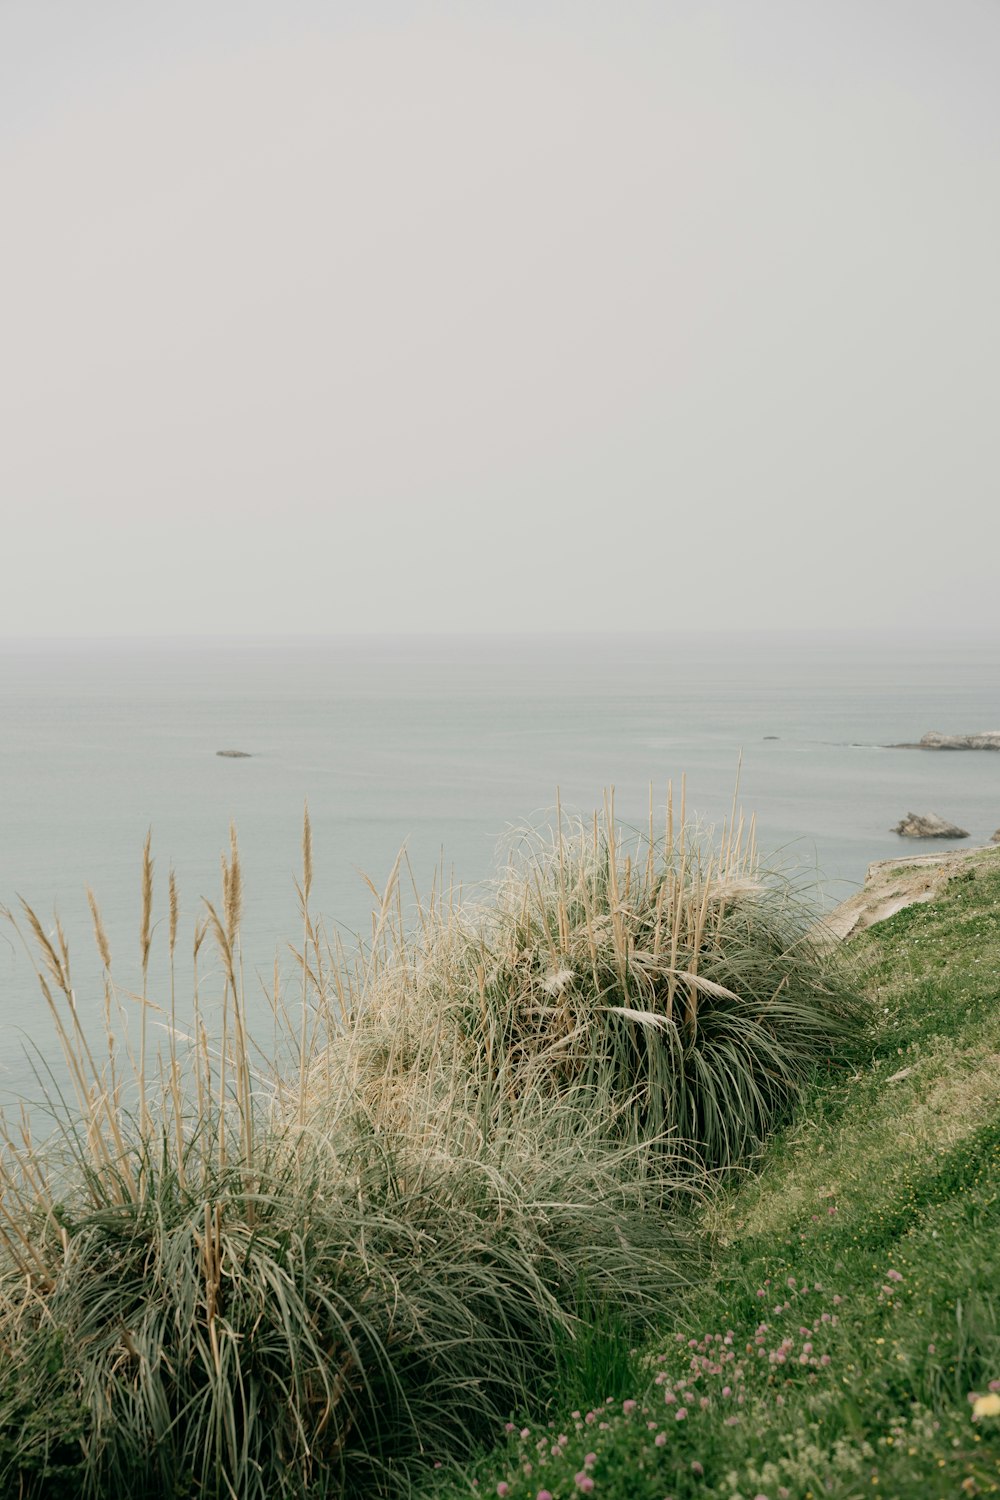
x=213, y=1283
x=222, y=1278
x=680, y=986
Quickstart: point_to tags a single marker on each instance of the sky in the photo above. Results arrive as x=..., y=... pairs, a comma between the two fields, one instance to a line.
x=493, y=317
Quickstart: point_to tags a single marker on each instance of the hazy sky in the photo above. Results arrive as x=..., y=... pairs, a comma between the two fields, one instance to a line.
x=498, y=316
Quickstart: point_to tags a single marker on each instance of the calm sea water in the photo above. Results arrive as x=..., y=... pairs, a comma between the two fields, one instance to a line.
x=443, y=745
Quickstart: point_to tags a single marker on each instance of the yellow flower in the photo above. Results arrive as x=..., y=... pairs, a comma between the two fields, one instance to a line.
x=986, y=1406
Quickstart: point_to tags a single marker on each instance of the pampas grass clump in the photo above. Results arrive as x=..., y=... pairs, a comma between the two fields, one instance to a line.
x=223, y=1279
x=218, y=1281
x=677, y=986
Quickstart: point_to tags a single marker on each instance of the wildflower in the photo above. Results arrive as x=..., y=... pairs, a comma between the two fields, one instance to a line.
x=696, y=1467
x=660, y=1439
x=584, y=1482
x=629, y=1406
x=894, y=1275
x=727, y=1390
x=680, y=1413
x=986, y=1406
x=589, y=1459
x=503, y=1488
x=544, y=1495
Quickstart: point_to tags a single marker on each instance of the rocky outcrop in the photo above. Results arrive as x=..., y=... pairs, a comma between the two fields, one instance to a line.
x=892, y=884
x=234, y=754
x=928, y=826
x=996, y=837
x=988, y=739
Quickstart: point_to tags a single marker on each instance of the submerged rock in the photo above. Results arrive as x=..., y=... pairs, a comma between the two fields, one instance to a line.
x=234, y=754
x=928, y=826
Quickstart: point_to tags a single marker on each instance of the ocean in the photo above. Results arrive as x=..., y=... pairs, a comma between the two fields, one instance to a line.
x=442, y=745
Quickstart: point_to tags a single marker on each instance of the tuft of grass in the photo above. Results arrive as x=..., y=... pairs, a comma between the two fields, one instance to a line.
x=677, y=984
x=239, y=1288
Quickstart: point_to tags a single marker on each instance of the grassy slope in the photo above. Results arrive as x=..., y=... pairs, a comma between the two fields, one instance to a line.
x=855, y=1306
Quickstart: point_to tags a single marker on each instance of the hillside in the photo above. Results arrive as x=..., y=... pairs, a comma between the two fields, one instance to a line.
x=847, y=1342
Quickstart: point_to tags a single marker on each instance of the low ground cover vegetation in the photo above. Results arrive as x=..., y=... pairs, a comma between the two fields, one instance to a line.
x=847, y=1342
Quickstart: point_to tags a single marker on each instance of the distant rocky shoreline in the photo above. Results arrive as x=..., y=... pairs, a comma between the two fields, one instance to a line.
x=988, y=739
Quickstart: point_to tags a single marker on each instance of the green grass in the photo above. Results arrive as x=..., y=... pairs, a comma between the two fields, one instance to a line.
x=871, y=1233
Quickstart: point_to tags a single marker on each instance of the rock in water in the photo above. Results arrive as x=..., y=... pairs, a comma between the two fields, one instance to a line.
x=928, y=826
x=988, y=740
x=234, y=754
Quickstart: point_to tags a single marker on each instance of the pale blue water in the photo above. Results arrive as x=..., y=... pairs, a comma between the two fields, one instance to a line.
x=444, y=744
